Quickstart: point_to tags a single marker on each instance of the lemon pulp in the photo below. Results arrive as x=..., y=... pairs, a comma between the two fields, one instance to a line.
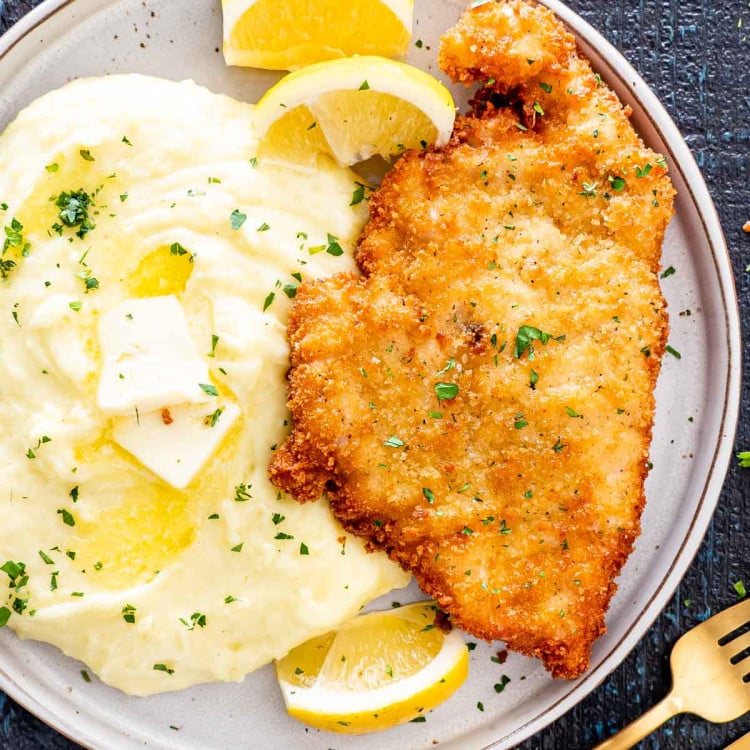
x=352, y=109
x=376, y=671
x=288, y=34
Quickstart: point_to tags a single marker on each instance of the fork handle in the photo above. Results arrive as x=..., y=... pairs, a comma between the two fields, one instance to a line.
x=643, y=726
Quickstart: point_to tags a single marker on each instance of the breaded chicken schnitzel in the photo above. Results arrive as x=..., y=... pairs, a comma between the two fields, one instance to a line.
x=479, y=404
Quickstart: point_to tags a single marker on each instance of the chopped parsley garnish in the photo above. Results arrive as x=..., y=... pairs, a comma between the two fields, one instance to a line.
x=177, y=249
x=13, y=234
x=303, y=549
x=128, y=613
x=237, y=547
x=74, y=212
x=446, y=391
x=46, y=558
x=4, y=616
x=89, y=282
x=16, y=571
x=500, y=686
x=242, y=493
x=617, y=183
x=525, y=340
x=739, y=587
x=573, y=413
x=643, y=171
x=17, y=582
x=365, y=86
x=214, y=342
x=429, y=495
x=163, y=668
x=6, y=266
x=67, y=517
x=358, y=195
x=673, y=352
x=86, y=155
x=268, y=301
x=589, y=189
x=229, y=599
x=237, y=219
x=394, y=442
x=197, y=619
x=13, y=238
x=533, y=379
x=283, y=537
x=209, y=389
x=75, y=306
x=558, y=446
x=451, y=364
x=545, y=87
x=333, y=247
x=667, y=272
x=263, y=227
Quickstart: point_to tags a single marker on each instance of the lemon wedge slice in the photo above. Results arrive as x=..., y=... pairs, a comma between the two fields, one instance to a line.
x=287, y=34
x=378, y=670
x=353, y=109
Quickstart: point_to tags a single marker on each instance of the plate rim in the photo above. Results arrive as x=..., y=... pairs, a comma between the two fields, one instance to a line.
x=684, y=163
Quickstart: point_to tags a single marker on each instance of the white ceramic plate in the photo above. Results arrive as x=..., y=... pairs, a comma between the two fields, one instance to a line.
x=64, y=39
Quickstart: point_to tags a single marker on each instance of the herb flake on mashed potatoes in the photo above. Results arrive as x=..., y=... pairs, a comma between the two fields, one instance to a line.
x=148, y=268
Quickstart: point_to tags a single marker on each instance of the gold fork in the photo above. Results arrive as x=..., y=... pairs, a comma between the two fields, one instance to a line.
x=710, y=676
x=743, y=743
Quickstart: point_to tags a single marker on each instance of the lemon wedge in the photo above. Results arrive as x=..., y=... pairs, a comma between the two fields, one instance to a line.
x=287, y=34
x=378, y=670
x=353, y=109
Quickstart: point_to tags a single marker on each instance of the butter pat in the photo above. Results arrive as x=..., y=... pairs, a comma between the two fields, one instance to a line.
x=176, y=442
x=148, y=358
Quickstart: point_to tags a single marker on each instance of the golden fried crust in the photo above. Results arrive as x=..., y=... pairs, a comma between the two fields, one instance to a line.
x=504, y=470
x=509, y=42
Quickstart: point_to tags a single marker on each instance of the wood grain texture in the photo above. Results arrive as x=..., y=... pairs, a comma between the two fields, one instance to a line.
x=696, y=55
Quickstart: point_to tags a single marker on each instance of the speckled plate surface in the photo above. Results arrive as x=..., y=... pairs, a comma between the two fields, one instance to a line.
x=177, y=39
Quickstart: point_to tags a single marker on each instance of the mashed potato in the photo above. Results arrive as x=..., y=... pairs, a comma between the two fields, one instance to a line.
x=134, y=199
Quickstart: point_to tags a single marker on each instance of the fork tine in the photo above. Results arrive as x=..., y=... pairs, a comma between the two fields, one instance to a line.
x=737, y=646
x=727, y=621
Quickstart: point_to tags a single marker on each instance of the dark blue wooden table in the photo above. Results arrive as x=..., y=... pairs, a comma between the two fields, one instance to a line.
x=696, y=55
